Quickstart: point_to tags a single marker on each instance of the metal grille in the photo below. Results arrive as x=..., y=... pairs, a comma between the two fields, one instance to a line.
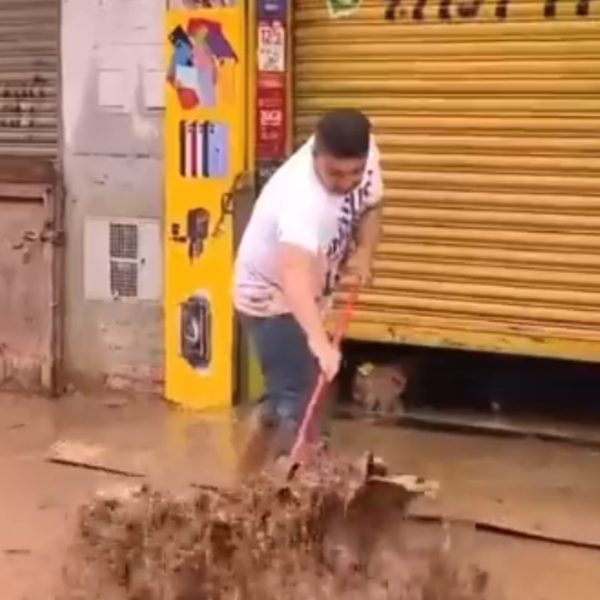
x=124, y=252
x=123, y=241
x=123, y=279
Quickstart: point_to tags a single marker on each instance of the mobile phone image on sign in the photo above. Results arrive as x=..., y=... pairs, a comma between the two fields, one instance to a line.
x=191, y=145
x=200, y=63
x=196, y=331
x=217, y=150
x=203, y=149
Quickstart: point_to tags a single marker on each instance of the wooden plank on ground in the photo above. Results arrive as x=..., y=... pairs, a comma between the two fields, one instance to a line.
x=76, y=453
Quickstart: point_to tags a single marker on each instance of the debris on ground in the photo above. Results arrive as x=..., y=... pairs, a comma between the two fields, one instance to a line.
x=323, y=535
x=95, y=457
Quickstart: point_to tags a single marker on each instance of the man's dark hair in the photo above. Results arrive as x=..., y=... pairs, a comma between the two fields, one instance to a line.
x=343, y=133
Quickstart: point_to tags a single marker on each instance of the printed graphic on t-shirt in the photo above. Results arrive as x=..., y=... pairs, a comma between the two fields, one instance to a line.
x=339, y=247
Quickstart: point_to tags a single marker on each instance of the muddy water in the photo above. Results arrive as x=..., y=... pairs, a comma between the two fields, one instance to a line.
x=300, y=541
x=39, y=501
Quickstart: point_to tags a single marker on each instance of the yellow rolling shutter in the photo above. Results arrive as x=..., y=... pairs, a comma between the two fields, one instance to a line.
x=488, y=118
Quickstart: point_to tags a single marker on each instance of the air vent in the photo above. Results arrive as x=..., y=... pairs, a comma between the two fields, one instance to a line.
x=123, y=259
x=123, y=250
x=123, y=240
x=123, y=279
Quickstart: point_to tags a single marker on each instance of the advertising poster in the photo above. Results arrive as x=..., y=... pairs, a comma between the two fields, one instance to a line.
x=205, y=113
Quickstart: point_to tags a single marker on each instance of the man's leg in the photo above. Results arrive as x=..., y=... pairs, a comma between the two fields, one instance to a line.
x=290, y=372
x=257, y=445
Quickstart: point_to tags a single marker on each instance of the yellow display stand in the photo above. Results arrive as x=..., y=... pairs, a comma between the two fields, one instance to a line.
x=205, y=143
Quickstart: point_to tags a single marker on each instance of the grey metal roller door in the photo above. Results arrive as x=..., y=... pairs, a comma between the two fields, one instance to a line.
x=29, y=78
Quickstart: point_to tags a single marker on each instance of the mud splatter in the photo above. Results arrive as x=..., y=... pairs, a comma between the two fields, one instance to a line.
x=259, y=541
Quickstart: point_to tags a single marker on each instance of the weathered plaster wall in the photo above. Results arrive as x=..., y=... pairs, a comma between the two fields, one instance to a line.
x=112, y=123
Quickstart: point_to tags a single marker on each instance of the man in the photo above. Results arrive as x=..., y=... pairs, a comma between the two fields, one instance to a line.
x=321, y=202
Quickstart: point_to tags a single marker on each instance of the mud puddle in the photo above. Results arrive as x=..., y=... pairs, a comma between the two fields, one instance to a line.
x=262, y=540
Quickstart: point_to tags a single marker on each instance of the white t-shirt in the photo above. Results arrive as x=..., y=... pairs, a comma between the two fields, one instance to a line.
x=295, y=208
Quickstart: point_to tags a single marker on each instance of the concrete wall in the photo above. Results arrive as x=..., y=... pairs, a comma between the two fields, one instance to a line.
x=112, y=120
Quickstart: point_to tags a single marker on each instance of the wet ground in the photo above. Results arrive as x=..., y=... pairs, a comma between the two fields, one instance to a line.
x=548, y=488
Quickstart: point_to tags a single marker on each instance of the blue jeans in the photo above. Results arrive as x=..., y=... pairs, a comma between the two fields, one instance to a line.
x=290, y=371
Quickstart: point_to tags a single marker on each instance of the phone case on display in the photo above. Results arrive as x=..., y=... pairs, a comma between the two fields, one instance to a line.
x=196, y=331
x=179, y=38
x=191, y=146
x=217, y=151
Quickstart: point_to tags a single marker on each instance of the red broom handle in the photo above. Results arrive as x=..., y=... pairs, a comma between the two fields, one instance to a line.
x=322, y=383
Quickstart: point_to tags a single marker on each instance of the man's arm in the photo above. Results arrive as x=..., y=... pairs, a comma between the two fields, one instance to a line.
x=298, y=252
x=368, y=232
x=298, y=273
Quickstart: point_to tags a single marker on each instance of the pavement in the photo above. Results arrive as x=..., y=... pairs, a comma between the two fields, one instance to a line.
x=540, y=487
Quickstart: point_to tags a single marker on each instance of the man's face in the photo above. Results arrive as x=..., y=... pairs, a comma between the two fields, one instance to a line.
x=339, y=175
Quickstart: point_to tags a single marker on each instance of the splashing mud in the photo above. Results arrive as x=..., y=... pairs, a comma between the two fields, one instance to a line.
x=320, y=537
